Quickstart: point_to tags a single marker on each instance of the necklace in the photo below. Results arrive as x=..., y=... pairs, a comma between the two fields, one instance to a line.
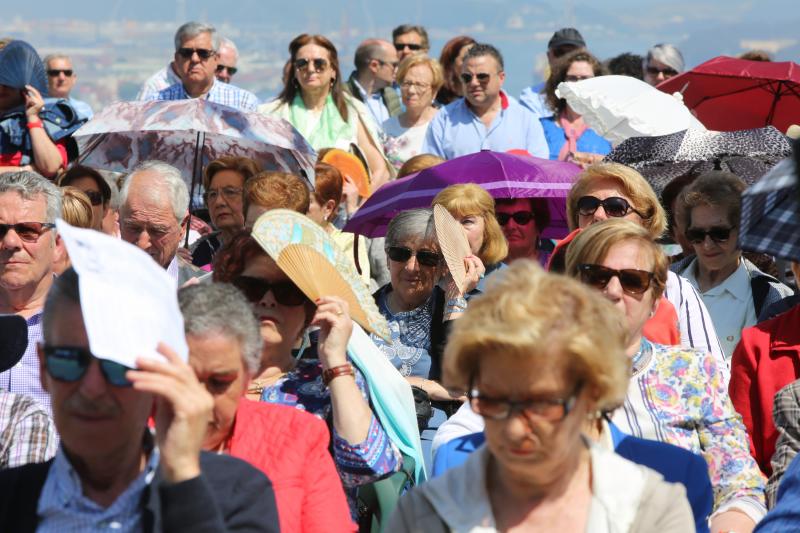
x=257, y=386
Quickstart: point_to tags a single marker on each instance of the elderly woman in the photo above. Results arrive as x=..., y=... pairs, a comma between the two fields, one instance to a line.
x=611, y=190
x=420, y=78
x=225, y=352
x=522, y=221
x=451, y=59
x=568, y=137
x=274, y=190
x=223, y=183
x=314, y=101
x=540, y=355
x=676, y=395
x=663, y=61
x=328, y=387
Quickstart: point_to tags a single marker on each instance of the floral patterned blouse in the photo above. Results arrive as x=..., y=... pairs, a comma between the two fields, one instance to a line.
x=679, y=396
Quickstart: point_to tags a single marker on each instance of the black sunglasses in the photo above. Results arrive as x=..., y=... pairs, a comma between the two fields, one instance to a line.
x=202, y=53
x=632, y=281
x=482, y=77
x=319, y=64
x=70, y=363
x=520, y=217
x=27, y=231
x=401, y=254
x=717, y=234
x=402, y=46
x=53, y=72
x=614, y=206
x=231, y=70
x=285, y=292
x=667, y=72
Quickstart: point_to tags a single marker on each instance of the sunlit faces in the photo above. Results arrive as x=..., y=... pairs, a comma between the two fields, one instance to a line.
x=714, y=253
x=409, y=43
x=412, y=282
x=88, y=185
x=475, y=227
x=195, y=69
x=415, y=88
x=315, y=75
x=481, y=89
x=521, y=237
x=607, y=188
x=655, y=72
x=60, y=77
x=579, y=70
x=225, y=201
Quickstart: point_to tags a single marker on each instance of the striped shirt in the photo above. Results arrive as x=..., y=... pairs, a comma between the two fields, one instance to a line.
x=220, y=93
x=27, y=434
x=23, y=378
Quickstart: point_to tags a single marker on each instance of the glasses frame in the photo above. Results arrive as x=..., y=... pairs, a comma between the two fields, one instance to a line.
x=424, y=257
x=231, y=70
x=54, y=72
x=522, y=218
x=113, y=372
x=723, y=234
x=587, y=212
x=203, y=53
x=530, y=407
x=420, y=87
x=229, y=193
x=624, y=276
x=655, y=71
x=411, y=46
x=38, y=227
x=285, y=293
x=482, y=77
x=319, y=64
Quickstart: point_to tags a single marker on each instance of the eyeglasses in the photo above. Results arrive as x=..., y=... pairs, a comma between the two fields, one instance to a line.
x=96, y=198
x=231, y=70
x=667, y=72
x=70, y=363
x=401, y=254
x=413, y=47
x=202, y=53
x=614, y=206
x=54, y=72
x=520, y=217
x=420, y=87
x=632, y=281
x=550, y=409
x=393, y=64
x=27, y=231
x=319, y=64
x=717, y=234
x=570, y=77
x=482, y=77
x=231, y=194
x=285, y=292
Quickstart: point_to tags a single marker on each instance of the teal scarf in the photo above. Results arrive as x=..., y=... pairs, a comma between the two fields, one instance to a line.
x=327, y=131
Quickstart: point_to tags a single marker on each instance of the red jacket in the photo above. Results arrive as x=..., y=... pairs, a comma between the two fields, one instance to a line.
x=291, y=447
x=766, y=359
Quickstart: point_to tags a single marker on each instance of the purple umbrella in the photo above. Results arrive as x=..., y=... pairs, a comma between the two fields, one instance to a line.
x=503, y=175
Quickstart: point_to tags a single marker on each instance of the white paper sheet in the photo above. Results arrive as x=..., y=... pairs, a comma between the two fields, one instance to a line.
x=129, y=302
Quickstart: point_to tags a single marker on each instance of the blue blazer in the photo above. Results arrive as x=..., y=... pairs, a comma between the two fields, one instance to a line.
x=675, y=464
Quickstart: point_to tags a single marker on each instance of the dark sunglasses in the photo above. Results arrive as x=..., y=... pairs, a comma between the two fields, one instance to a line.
x=202, y=53
x=520, y=217
x=614, y=206
x=401, y=254
x=53, y=72
x=632, y=281
x=667, y=72
x=231, y=70
x=95, y=197
x=285, y=292
x=718, y=234
x=402, y=46
x=69, y=363
x=27, y=231
x=482, y=77
x=319, y=64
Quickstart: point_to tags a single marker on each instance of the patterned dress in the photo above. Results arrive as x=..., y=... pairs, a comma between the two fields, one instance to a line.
x=409, y=351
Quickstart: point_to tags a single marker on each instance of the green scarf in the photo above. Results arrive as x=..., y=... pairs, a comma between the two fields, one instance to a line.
x=328, y=130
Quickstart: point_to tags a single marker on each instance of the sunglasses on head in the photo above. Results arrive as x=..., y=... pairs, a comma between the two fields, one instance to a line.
x=667, y=72
x=614, y=206
x=285, y=292
x=402, y=46
x=231, y=70
x=319, y=64
x=70, y=363
x=482, y=77
x=401, y=254
x=53, y=72
x=202, y=53
x=27, y=231
x=717, y=234
x=632, y=281
x=520, y=217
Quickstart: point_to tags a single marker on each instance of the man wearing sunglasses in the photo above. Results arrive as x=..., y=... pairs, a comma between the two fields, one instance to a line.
x=410, y=39
x=61, y=80
x=486, y=118
x=29, y=207
x=371, y=82
x=228, y=59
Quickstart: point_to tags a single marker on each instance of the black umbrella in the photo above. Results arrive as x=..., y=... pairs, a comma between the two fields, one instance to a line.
x=747, y=153
x=20, y=65
x=14, y=333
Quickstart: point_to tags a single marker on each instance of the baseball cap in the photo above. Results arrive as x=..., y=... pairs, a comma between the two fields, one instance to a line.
x=566, y=36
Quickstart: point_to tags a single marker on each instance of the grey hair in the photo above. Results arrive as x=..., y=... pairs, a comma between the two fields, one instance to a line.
x=412, y=224
x=172, y=181
x=224, y=42
x=190, y=30
x=221, y=309
x=49, y=57
x=64, y=289
x=667, y=54
x=29, y=185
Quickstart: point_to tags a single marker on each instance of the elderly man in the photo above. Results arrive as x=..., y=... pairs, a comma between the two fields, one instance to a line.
x=154, y=214
x=61, y=79
x=486, y=118
x=228, y=58
x=29, y=207
x=195, y=61
x=561, y=43
x=110, y=473
x=372, y=80
x=409, y=39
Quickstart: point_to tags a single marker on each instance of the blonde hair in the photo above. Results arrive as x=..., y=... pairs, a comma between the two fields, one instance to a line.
x=76, y=208
x=417, y=163
x=415, y=60
x=471, y=199
x=539, y=318
x=632, y=185
x=591, y=246
x=277, y=190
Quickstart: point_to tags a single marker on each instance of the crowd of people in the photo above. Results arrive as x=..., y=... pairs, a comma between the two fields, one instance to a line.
x=589, y=384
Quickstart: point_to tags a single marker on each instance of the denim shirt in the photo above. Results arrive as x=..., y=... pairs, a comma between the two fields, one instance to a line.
x=58, y=117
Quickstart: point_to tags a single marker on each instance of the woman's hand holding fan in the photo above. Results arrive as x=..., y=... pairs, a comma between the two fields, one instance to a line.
x=335, y=326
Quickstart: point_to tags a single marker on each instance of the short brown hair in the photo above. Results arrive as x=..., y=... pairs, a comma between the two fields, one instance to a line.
x=328, y=183
x=276, y=190
x=715, y=189
x=417, y=163
x=559, y=74
x=243, y=165
x=76, y=208
x=411, y=28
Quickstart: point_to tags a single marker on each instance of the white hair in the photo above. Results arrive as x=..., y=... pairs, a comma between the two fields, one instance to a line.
x=29, y=185
x=224, y=42
x=190, y=30
x=667, y=54
x=172, y=180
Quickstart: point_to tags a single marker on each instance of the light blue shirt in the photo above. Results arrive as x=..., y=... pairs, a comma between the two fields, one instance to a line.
x=220, y=93
x=534, y=99
x=374, y=103
x=457, y=131
x=83, y=109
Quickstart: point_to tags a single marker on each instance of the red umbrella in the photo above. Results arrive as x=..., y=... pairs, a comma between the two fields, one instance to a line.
x=728, y=94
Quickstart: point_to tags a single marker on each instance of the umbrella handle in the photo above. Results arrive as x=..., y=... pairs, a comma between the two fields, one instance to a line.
x=196, y=169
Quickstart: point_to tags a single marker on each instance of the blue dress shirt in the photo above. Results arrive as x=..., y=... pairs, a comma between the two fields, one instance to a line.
x=533, y=98
x=220, y=93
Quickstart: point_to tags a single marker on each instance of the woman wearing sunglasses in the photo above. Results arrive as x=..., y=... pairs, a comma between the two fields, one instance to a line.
x=314, y=101
x=522, y=221
x=327, y=387
x=675, y=395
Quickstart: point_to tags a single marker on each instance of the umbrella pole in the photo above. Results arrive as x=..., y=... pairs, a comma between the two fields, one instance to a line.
x=196, y=169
